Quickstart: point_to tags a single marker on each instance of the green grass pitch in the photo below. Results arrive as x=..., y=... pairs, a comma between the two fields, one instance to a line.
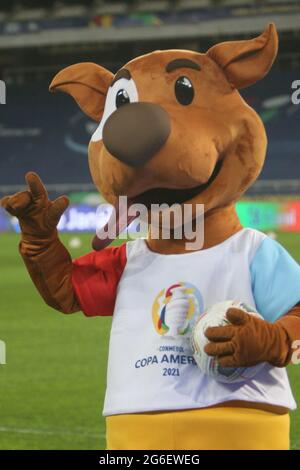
x=53, y=384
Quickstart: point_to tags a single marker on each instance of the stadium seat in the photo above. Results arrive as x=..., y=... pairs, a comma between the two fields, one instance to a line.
x=148, y=6
x=29, y=14
x=193, y=4
x=106, y=8
x=69, y=11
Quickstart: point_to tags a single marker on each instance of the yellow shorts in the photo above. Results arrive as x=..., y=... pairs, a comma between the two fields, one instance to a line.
x=217, y=428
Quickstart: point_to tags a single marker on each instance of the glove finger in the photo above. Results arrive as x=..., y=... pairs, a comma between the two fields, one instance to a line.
x=17, y=203
x=36, y=185
x=219, y=349
x=219, y=333
x=237, y=316
x=227, y=361
x=57, y=208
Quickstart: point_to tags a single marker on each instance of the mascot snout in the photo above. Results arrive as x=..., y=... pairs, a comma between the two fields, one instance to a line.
x=135, y=132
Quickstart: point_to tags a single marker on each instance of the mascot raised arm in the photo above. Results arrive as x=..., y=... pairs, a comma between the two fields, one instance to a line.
x=174, y=129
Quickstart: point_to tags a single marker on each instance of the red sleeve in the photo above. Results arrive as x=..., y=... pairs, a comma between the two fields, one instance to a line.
x=95, y=279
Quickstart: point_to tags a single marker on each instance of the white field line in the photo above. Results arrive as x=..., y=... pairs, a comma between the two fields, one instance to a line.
x=50, y=432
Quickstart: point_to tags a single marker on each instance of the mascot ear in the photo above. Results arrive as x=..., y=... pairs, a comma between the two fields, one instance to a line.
x=87, y=83
x=246, y=62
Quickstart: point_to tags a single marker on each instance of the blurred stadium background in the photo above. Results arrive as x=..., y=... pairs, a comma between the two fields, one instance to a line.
x=53, y=383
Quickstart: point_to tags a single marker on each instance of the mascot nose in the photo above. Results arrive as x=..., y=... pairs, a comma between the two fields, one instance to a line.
x=135, y=132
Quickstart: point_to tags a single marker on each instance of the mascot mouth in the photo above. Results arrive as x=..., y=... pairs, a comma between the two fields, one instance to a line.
x=153, y=196
x=174, y=196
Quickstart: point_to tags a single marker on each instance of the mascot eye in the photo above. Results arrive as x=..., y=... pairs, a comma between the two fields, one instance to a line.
x=184, y=91
x=122, y=98
x=122, y=92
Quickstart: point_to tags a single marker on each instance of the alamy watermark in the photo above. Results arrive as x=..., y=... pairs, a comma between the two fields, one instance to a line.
x=2, y=92
x=296, y=354
x=2, y=353
x=296, y=93
x=176, y=221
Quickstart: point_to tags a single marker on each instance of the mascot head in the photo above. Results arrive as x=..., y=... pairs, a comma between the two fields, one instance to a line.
x=172, y=125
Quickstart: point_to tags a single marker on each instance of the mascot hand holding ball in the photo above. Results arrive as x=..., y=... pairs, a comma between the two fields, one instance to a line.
x=199, y=339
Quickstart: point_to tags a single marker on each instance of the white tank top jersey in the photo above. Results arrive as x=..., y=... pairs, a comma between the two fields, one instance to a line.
x=151, y=365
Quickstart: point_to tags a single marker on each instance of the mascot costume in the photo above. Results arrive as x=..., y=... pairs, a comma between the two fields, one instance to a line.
x=173, y=128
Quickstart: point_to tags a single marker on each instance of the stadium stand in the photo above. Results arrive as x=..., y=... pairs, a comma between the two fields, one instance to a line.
x=48, y=134
x=227, y=16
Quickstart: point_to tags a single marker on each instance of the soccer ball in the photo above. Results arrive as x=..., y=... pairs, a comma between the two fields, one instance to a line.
x=75, y=243
x=216, y=316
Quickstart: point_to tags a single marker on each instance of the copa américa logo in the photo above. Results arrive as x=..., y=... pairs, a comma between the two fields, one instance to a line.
x=176, y=308
x=2, y=92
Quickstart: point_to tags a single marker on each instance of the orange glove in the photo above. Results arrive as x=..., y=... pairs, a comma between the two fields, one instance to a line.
x=250, y=340
x=47, y=260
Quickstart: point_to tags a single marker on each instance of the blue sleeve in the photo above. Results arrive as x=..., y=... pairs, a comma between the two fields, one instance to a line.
x=275, y=278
